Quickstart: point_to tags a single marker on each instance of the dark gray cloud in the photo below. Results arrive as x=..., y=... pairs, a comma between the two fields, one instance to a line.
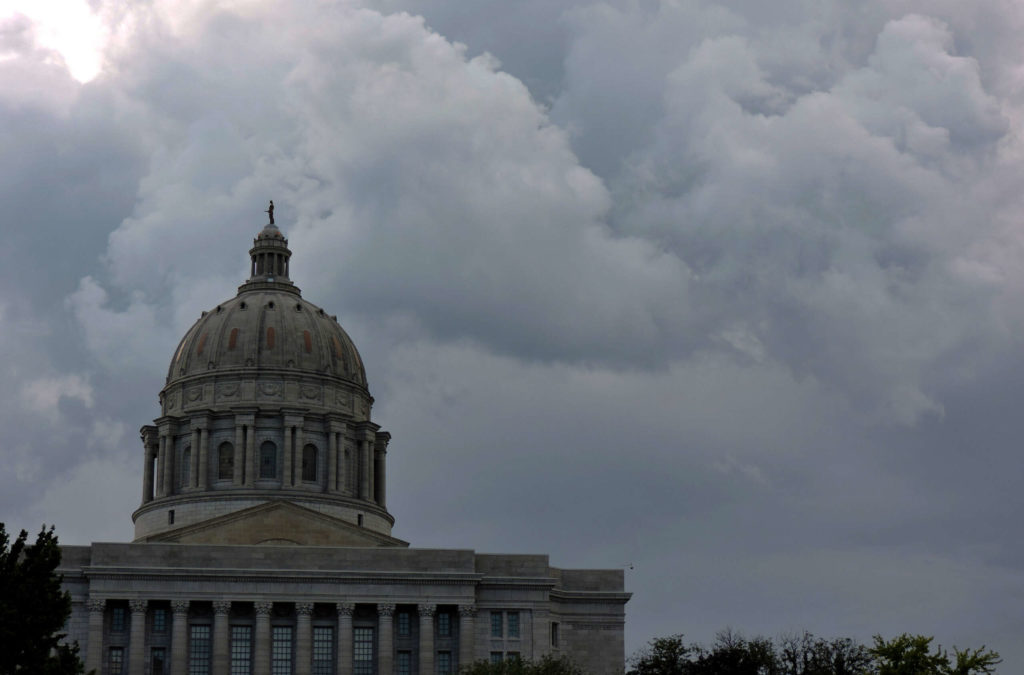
x=725, y=291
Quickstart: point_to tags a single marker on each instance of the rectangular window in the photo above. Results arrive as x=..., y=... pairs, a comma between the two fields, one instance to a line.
x=117, y=619
x=512, y=656
x=512, y=618
x=496, y=625
x=404, y=624
x=404, y=663
x=159, y=620
x=157, y=661
x=281, y=651
x=444, y=663
x=496, y=657
x=199, y=650
x=444, y=624
x=362, y=651
x=116, y=660
x=241, y=650
x=323, y=650
x=554, y=634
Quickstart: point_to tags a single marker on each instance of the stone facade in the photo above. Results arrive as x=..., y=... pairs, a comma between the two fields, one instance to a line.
x=263, y=542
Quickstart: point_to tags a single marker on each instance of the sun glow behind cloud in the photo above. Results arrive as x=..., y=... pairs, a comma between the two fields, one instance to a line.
x=69, y=27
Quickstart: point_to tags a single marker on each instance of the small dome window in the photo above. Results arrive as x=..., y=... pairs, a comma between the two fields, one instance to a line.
x=241, y=305
x=270, y=305
x=298, y=307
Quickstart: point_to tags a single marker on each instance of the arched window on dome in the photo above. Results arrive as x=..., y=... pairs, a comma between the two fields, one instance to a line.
x=186, y=466
x=268, y=460
x=309, y=458
x=225, y=461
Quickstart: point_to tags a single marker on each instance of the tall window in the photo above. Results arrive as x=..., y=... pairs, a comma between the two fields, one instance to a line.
x=444, y=624
x=512, y=618
x=496, y=657
x=241, y=650
x=362, y=651
x=323, y=650
x=116, y=660
x=496, y=624
x=404, y=663
x=281, y=651
x=199, y=650
x=159, y=620
x=225, y=461
x=117, y=619
x=554, y=634
x=404, y=624
x=157, y=661
x=268, y=460
x=186, y=466
x=309, y=462
x=444, y=663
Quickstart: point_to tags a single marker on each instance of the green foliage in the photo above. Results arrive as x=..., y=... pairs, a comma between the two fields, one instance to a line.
x=912, y=655
x=33, y=608
x=547, y=665
x=732, y=654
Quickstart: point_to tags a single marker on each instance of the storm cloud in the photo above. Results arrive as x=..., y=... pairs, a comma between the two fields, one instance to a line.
x=727, y=292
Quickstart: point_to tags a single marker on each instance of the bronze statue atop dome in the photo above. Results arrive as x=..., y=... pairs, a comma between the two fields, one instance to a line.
x=270, y=211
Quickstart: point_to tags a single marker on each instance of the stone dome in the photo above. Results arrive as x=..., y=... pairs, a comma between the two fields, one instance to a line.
x=263, y=329
x=265, y=432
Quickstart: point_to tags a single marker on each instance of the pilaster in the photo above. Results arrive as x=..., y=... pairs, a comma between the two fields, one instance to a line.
x=303, y=638
x=426, y=613
x=345, y=610
x=386, y=639
x=94, y=651
x=179, y=637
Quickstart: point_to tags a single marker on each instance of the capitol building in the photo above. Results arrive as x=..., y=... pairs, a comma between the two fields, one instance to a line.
x=263, y=540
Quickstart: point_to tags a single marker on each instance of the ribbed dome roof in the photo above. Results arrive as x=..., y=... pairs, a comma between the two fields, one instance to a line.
x=265, y=328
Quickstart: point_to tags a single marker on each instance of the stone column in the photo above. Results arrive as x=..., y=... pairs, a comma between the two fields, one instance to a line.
x=204, y=458
x=239, y=456
x=147, y=476
x=299, y=443
x=221, y=608
x=286, y=479
x=345, y=610
x=332, y=462
x=137, y=637
x=364, y=470
x=179, y=637
x=194, y=458
x=380, y=477
x=94, y=651
x=252, y=462
x=166, y=465
x=303, y=638
x=385, y=639
x=426, y=613
x=467, y=636
x=262, y=651
x=370, y=480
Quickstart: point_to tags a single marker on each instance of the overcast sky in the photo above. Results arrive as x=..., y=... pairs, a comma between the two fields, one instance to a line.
x=728, y=293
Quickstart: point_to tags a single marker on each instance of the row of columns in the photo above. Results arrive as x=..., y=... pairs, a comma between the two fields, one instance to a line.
x=262, y=638
x=371, y=462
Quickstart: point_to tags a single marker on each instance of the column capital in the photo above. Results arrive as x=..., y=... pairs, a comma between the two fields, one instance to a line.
x=346, y=608
x=426, y=610
x=386, y=609
x=97, y=604
x=221, y=606
x=467, y=610
x=263, y=608
x=304, y=608
x=138, y=605
x=179, y=606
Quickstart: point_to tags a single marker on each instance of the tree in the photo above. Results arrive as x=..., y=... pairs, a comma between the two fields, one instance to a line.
x=912, y=655
x=33, y=608
x=547, y=665
x=662, y=656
